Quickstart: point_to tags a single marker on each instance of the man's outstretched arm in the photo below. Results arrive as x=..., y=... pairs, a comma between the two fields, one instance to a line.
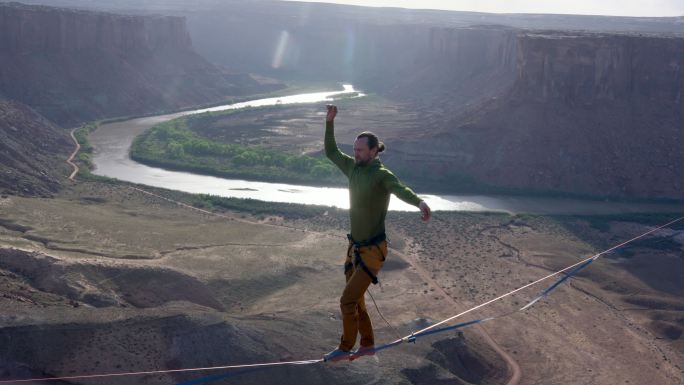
x=394, y=186
x=341, y=160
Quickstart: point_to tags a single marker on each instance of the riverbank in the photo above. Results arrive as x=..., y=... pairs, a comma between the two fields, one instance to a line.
x=304, y=136
x=175, y=145
x=298, y=129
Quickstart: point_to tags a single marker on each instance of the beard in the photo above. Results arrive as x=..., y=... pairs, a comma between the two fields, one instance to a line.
x=365, y=160
x=362, y=162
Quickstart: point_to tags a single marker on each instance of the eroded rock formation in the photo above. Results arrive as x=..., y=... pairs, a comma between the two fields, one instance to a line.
x=74, y=66
x=589, y=114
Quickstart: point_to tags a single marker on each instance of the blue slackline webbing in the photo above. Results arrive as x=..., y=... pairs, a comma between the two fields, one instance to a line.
x=217, y=377
x=568, y=275
x=414, y=337
x=388, y=345
x=411, y=338
x=558, y=283
x=444, y=329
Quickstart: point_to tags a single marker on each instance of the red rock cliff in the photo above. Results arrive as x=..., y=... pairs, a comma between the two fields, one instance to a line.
x=74, y=66
x=587, y=68
x=594, y=114
x=28, y=29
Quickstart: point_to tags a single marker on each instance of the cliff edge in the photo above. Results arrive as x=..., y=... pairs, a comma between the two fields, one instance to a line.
x=588, y=114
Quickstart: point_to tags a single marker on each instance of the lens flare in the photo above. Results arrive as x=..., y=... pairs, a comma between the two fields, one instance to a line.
x=350, y=46
x=280, y=49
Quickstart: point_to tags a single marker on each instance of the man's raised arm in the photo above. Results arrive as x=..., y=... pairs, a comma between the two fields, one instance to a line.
x=341, y=160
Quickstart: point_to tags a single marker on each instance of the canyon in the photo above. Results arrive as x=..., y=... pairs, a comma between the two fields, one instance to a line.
x=488, y=103
x=492, y=108
x=103, y=276
x=74, y=66
x=585, y=113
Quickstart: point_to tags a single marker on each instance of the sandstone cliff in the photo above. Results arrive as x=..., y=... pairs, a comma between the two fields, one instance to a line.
x=441, y=66
x=594, y=114
x=320, y=32
x=406, y=61
x=590, y=68
x=74, y=66
x=530, y=111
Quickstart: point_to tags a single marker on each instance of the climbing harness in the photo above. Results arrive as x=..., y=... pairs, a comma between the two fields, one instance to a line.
x=355, y=247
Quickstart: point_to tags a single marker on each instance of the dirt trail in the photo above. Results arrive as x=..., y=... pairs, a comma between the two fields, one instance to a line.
x=513, y=367
x=73, y=154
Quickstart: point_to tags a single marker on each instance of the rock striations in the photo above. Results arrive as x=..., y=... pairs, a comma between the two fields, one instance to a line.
x=499, y=108
x=588, y=68
x=74, y=66
x=590, y=114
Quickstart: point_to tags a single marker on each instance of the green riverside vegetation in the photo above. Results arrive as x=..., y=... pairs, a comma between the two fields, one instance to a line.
x=84, y=158
x=173, y=145
x=86, y=151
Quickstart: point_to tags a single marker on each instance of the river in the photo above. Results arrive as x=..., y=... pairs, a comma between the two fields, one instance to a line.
x=112, y=142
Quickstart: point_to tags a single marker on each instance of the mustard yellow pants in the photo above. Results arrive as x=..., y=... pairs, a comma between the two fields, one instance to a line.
x=355, y=319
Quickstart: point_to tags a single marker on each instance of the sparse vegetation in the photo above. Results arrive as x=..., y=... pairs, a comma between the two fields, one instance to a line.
x=256, y=207
x=84, y=157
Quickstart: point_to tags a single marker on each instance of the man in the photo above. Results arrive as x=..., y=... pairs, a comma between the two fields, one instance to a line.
x=370, y=186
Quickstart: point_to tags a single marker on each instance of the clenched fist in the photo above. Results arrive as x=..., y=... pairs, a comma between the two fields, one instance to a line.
x=332, y=112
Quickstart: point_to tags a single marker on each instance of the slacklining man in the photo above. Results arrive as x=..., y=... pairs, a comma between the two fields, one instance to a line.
x=370, y=186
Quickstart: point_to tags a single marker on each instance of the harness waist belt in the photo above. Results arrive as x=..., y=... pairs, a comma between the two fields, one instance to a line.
x=370, y=242
x=358, y=261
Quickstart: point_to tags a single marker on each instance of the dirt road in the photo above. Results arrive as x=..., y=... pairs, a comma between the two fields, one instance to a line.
x=73, y=155
x=513, y=367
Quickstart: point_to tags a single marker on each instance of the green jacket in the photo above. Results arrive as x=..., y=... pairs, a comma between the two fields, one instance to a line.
x=370, y=187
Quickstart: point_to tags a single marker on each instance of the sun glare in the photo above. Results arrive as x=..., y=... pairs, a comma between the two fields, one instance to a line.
x=280, y=49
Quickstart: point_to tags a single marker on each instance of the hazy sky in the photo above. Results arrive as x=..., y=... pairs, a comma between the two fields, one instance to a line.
x=582, y=7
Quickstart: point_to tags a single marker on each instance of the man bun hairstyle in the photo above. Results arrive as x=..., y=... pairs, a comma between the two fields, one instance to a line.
x=373, y=141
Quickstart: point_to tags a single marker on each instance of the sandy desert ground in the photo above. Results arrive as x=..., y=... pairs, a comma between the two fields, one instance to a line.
x=107, y=279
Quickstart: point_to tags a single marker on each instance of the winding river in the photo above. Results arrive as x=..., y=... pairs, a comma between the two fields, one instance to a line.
x=112, y=142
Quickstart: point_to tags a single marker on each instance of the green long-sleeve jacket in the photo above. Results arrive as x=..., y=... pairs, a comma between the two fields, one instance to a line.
x=370, y=187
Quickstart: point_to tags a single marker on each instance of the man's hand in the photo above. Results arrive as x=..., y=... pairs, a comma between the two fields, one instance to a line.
x=424, y=211
x=332, y=112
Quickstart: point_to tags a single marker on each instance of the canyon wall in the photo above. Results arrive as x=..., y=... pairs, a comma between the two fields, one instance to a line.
x=405, y=61
x=74, y=66
x=495, y=108
x=590, y=114
x=589, y=68
x=29, y=29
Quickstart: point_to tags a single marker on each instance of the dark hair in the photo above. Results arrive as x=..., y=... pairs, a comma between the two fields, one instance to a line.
x=373, y=141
